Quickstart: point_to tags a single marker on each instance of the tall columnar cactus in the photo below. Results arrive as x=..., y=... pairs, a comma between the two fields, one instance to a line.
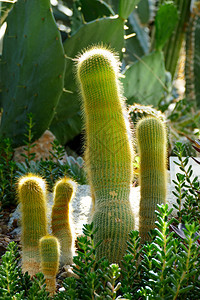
x=152, y=144
x=173, y=45
x=32, y=196
x=109, y=153
x=62, y=226
x=49, y=254
x=192, y=64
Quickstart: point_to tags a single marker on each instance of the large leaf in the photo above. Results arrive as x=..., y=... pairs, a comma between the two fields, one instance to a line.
x=126, y=7
x=144, y=81
x=32, y=69
x=165, y=22
x=109, y=31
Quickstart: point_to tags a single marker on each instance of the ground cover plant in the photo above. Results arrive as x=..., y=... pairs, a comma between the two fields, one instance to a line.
x=165, y=268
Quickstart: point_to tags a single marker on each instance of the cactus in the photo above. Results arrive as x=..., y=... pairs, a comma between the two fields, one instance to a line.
x=49, y=255
x=126, y=7
x=61, y=222
x=32, y=196
x=33, y=66
x=147, y=75
x=138, y=111
x=67, y=121
x=109, y=152
x=152, y=144
x=192, y=64
x=173, y=46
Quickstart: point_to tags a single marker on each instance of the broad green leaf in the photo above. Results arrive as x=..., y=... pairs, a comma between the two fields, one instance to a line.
x=165, y=22
x=126, y=7
x=109, y=31
x=144, y=81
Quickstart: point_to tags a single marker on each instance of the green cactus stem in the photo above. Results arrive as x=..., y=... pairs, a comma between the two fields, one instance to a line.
x=109, y=151
x=152, y=144
x=32, y=197
x=173, y=46
x=61, y=221
x=49, y=254
x=192, y=64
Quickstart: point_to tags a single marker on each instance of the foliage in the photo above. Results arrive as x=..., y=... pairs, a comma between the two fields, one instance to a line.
x=165, y=268
x=182, y=121
x=15, y=284
x=8, y=170
x=29, y=139
x=88, y=22
x=187, y=189
x=51, y=169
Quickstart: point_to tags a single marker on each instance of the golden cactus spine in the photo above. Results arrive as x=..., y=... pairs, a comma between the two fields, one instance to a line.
x=109, y=153
x=152, y=142
x=61, y=221
x=32, y=197
x=49, y=254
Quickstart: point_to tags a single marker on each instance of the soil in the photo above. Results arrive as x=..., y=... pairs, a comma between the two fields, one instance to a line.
x=5, y=234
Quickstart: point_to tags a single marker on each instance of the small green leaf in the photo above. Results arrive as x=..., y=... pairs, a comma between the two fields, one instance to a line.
x=186, y=289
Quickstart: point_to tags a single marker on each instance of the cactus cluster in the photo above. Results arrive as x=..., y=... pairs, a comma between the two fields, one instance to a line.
x=109, y=151
x=40, y=251
x=109, y=159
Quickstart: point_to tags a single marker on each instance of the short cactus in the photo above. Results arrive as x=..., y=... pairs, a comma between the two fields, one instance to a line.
x=61, y=222
x=109, y=152
x=152, y=144
x=49, y=255
x=32, y=197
